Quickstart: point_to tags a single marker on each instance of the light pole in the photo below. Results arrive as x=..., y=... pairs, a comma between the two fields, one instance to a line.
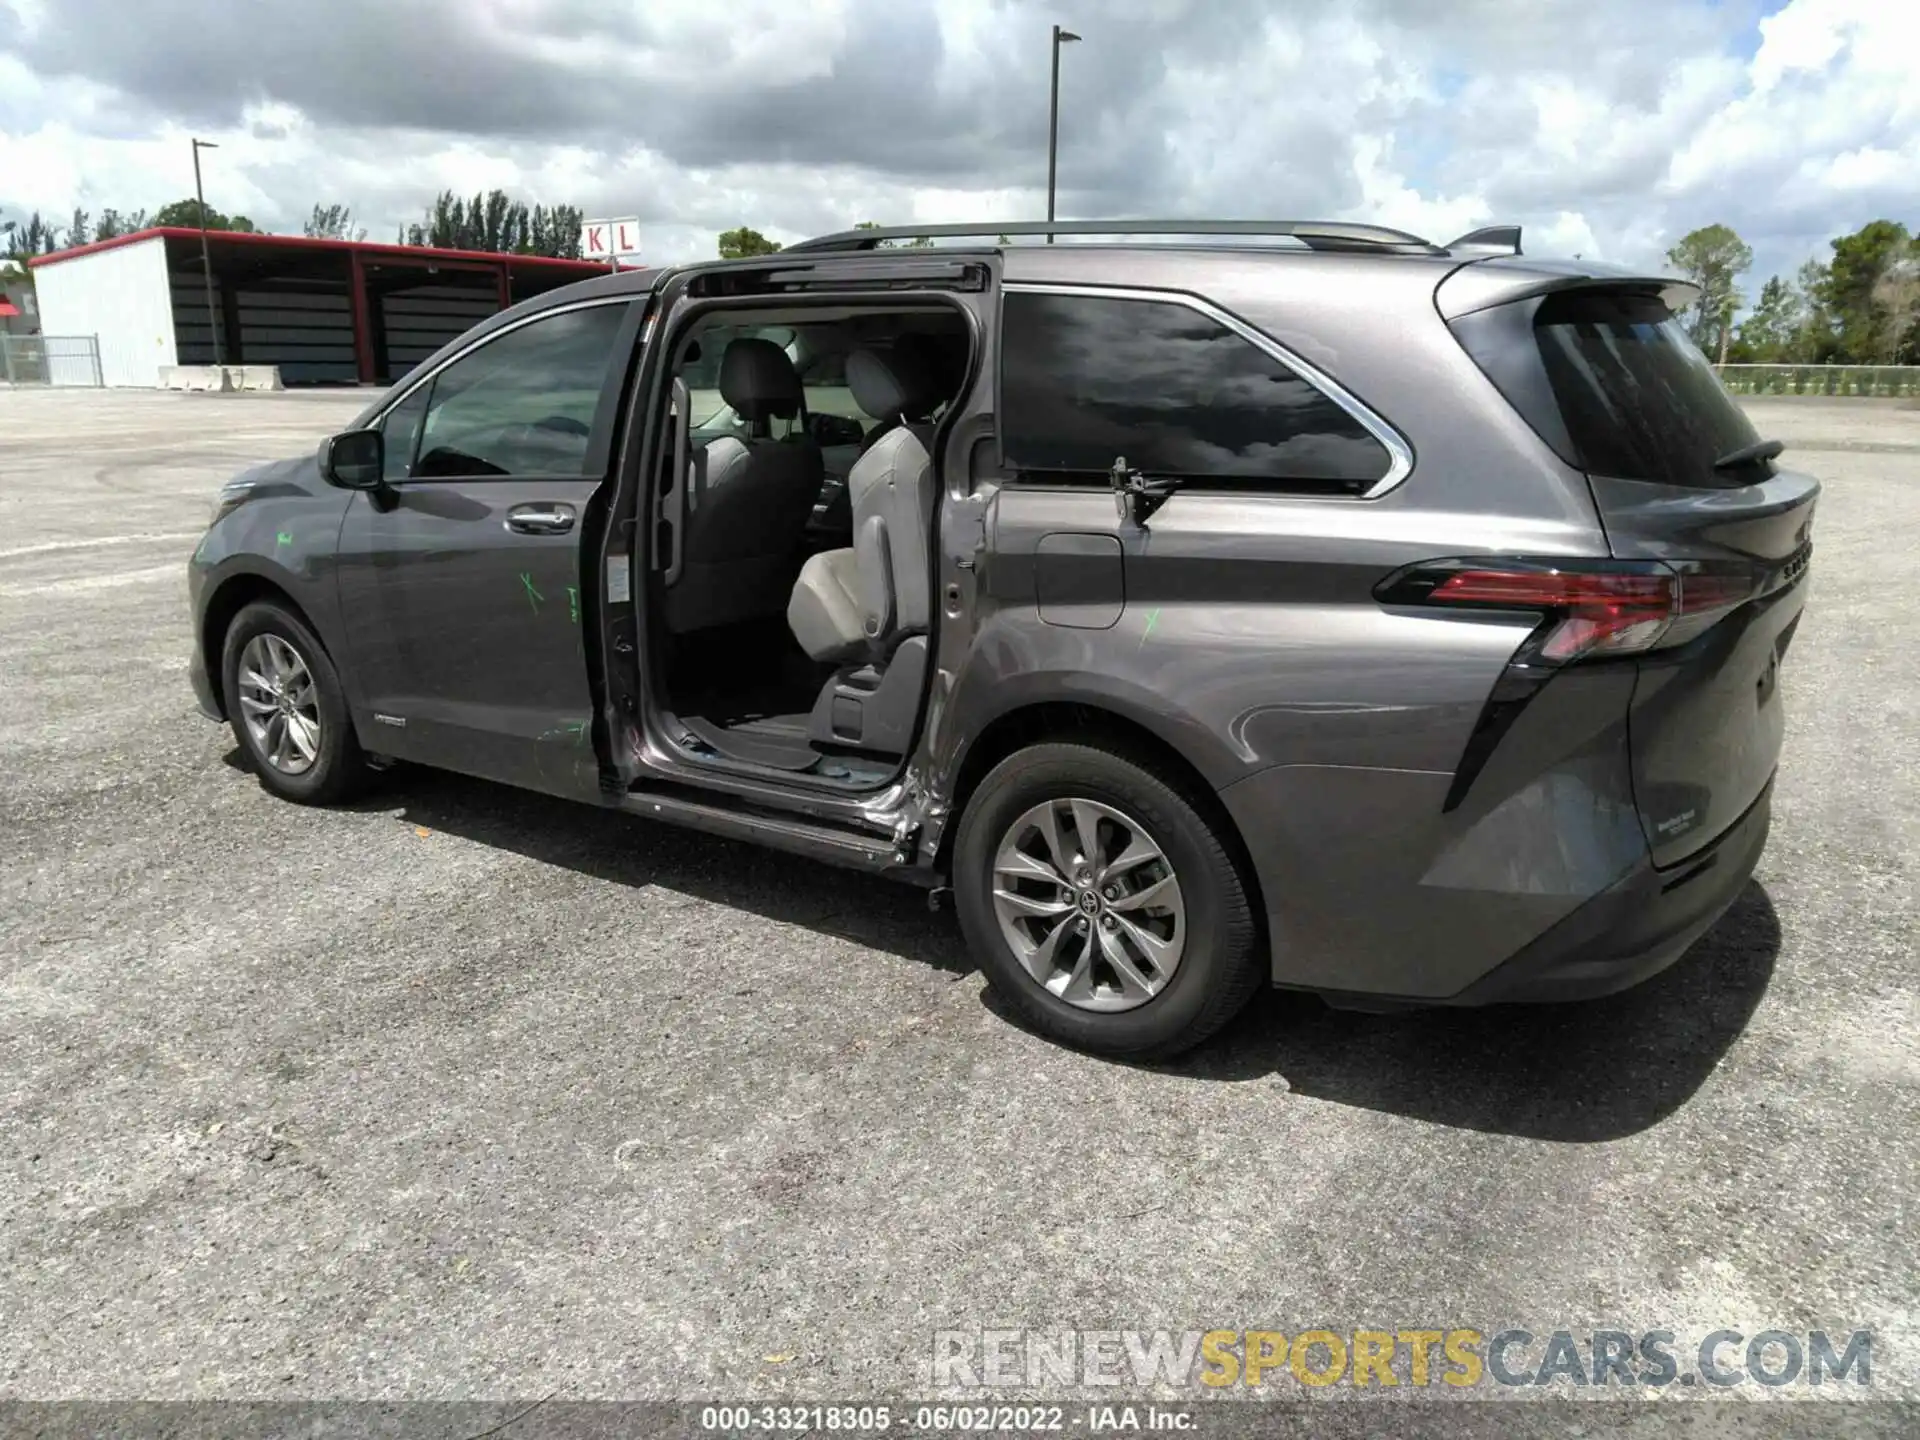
x=1060, y=37
x=206, y=259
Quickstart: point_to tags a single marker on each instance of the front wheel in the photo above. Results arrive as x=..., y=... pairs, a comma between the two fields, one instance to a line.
x=287, y=708
x=1104, y=907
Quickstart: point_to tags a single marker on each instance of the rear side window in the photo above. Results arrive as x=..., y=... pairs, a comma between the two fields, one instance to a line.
x=1087, y=380
x=1634, y=397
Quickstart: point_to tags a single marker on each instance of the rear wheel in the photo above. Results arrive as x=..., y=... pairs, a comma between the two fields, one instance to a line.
x=1102, y=904
x=287, y=708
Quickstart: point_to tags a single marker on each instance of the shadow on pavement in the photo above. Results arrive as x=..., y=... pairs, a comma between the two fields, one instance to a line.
x=1588, y=1071
x=1591, y=1071
x=629, y=850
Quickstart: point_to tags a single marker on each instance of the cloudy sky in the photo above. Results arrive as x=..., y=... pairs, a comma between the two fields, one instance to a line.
x=1607, y=127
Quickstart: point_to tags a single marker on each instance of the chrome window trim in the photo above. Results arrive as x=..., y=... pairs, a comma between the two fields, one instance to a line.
x=399, y=396
x=1399, y=452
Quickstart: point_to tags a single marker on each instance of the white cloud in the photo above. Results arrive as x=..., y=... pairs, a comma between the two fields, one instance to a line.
x=1606, y=129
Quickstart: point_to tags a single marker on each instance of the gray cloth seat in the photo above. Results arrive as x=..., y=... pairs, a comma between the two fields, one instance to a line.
x=748, y=500
x=859, y=603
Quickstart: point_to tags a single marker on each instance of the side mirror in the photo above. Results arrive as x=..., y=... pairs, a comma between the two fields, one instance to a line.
x=354, y=460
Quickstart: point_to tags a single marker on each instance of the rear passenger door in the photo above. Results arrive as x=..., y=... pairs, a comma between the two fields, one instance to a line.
x=461, y=582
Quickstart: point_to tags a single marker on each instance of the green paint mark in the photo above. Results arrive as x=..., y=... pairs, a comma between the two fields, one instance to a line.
x=534, y=597
x=1153, y=619
x=577, y=732
x=285, y=537
x=573, y=604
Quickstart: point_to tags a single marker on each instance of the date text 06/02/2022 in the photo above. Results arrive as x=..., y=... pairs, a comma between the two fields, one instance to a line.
x=939, y=1419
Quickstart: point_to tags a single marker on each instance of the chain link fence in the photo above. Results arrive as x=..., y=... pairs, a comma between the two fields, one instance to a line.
x=1821, y=379
x=50, y=360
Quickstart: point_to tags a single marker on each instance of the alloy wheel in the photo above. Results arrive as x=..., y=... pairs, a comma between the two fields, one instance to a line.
x=1089, y=903
x=279, y=704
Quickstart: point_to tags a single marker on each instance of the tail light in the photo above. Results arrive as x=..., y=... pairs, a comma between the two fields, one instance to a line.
x=1585, y=608
x=1589, y=608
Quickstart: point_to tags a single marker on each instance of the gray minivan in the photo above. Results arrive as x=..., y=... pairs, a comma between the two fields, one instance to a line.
x=1219, y=603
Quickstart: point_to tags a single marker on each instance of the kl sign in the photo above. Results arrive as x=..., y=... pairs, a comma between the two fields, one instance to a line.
x=609, y=239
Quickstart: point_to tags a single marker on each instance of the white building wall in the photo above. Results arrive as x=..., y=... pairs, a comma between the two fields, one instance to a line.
x=123, y=296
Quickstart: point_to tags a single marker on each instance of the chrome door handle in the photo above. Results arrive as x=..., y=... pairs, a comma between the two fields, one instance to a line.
x=540, y=519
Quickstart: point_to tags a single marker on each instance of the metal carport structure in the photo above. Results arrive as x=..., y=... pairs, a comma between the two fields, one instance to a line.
x=323, y=311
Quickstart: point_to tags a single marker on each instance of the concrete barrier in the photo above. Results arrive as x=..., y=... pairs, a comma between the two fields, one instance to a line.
x=194, y=377
x=220, y=378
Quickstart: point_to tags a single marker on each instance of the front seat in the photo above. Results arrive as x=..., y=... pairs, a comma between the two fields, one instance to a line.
x=867, y=608
x=748, y=500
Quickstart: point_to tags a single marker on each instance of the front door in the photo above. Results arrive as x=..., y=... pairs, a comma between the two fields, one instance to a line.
x=461, y=581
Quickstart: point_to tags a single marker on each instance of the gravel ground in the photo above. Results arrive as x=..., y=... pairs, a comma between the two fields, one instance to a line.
x=467, y=1093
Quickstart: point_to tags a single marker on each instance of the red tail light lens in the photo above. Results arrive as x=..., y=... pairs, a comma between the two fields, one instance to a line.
x=1599, y=613
x=1606, y=608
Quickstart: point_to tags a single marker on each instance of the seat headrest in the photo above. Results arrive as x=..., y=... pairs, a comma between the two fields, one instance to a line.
x=758, y=380
x=896, y=384
x=944, y=357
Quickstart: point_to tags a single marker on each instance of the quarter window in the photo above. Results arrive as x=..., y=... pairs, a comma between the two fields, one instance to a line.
x=522, y=404
x=400, y=430
x=1087, y=380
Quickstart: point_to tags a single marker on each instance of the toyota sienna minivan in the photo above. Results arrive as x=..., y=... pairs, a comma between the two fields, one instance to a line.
x=1196, y=605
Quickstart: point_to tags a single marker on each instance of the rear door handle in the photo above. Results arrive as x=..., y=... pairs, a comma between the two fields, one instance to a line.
x=540, y=519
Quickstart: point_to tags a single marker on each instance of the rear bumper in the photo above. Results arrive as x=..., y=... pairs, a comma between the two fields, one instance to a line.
x=1623, y=936
x=1635, y=929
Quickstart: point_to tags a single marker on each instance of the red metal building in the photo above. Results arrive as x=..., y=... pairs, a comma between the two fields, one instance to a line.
x=324, y=311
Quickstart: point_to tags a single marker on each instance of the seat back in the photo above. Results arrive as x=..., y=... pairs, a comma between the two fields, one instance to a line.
x=748, y=500
x=892, y=490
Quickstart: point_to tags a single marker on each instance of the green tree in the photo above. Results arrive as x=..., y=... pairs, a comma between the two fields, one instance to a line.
x=25, y=239
x=113, y=223
x=1814, y=343
x=80, y=228
x=1864, y=328
x=742, y=242
x=1896, y=294
x=1768, y=336
x=332, y=222
x=1714, y=258
x=185, y=214
x=494, y=221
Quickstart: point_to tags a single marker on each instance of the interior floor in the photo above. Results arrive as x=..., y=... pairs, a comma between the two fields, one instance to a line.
x=746, y=691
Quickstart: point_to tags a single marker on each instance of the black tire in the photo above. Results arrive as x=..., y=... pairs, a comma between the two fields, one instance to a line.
x=1223, y=960
x=339, y=767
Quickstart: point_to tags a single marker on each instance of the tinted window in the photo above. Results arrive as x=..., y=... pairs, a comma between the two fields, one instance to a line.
x=1639, y=400
x=522, y=404
x=1086, y=380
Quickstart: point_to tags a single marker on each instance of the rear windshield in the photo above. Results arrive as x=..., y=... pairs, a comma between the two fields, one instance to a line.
x=1635, y=397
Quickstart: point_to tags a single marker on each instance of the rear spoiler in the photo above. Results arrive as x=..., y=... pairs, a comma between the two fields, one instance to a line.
x=1503, y=279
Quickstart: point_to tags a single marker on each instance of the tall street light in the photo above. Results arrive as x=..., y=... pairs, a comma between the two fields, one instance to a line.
x=1060, y=37
x=206, y=260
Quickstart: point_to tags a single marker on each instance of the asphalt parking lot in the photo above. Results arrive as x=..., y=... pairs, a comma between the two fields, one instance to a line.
x=464, y=1092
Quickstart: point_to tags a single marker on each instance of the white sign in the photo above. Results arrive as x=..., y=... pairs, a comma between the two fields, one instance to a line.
x=609, y=239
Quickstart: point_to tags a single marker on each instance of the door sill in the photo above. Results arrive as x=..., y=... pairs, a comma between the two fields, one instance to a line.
x=834, y=844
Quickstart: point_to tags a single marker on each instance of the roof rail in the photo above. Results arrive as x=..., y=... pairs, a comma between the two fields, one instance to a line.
x=1314, y=234
x=1488, y=240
